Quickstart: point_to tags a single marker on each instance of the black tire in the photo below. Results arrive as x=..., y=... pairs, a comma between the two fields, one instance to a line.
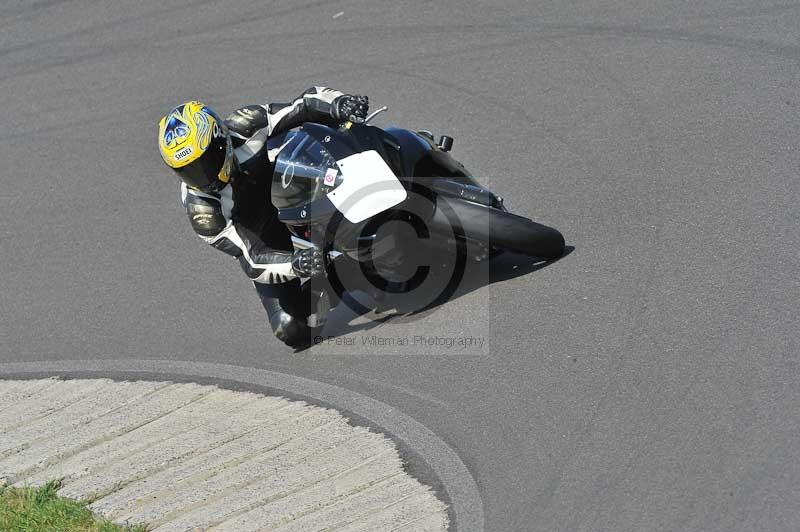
x=497, y=228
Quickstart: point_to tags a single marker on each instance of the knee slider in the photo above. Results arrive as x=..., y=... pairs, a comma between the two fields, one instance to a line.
x=289, y=329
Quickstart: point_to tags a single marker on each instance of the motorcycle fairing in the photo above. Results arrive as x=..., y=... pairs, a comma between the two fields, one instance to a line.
x=368, y=188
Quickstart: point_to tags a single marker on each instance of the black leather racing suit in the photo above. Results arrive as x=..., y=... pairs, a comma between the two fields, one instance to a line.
x=241, y=220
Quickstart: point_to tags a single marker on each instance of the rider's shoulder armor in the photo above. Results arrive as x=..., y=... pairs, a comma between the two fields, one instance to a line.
x=247, y=120
x=205, y=215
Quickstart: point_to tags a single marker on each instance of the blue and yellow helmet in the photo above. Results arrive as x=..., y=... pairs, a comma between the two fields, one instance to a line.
x=195, y=143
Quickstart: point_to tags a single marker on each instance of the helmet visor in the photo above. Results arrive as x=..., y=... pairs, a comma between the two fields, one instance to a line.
x=205, y=172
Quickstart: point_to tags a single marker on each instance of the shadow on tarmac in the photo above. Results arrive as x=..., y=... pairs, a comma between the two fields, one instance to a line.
x=374, y=311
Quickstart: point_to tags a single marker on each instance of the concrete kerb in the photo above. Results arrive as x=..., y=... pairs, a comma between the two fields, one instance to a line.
x=453, y=482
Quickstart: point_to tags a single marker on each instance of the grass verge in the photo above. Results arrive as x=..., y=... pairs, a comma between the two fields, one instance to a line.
x=39, y=509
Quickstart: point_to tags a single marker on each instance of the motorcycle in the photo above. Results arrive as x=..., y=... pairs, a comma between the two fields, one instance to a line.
x=342, y=189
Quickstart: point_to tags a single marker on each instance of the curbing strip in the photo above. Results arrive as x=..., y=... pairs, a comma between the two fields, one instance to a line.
x=466, y=507
x=271, y=490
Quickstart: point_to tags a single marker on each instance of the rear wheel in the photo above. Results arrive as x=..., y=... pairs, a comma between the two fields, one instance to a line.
x=497, y=228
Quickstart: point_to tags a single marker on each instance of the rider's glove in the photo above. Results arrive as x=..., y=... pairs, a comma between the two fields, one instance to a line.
x=308, y=262
x=349, y=107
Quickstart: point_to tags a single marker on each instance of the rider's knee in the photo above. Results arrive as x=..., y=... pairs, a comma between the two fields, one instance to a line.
x=290, y=330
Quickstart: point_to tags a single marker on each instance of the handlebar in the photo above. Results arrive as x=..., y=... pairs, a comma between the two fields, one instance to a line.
x=348, y=124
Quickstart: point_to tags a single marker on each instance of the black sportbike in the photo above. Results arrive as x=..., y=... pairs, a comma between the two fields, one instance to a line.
x=395, y=204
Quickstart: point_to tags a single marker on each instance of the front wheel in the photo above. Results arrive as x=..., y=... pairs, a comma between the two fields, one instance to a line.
x=320, y=301
x=499, y=229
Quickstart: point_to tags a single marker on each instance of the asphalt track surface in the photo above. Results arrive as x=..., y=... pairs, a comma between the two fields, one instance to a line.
x=646, y=381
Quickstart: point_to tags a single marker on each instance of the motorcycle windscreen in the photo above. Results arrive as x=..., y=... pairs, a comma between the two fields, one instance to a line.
x=301, y=171
x=369, y=187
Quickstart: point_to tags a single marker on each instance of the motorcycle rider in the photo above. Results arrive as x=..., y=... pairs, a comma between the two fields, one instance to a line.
x=226, y=170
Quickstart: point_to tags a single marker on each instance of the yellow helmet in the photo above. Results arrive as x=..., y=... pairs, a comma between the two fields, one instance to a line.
x=195, y=143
